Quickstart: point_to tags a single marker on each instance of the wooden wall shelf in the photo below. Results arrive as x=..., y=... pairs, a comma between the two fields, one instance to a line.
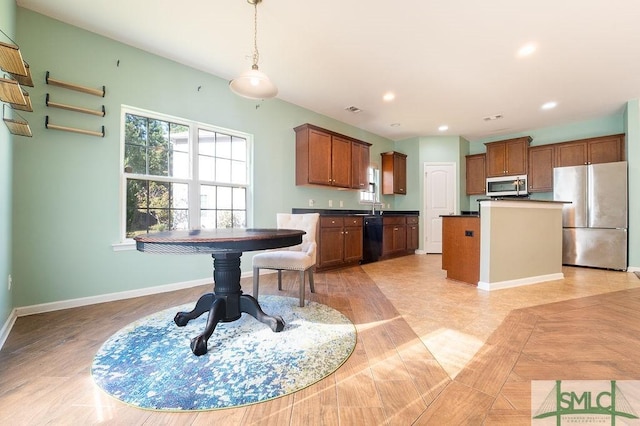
x=27, y=105
x=24, y=80
x=100, y=113
x=16, y=126
x=77, y=87
x=72, y=129
x=11, y=59
x=11, y=93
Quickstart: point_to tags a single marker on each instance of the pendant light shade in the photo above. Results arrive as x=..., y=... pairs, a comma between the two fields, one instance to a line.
x=254, y=84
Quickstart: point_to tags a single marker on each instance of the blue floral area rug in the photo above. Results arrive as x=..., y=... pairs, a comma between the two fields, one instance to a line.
x=149, y=363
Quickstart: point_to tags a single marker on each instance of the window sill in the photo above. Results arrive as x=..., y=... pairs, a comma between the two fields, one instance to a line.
x=126, y=245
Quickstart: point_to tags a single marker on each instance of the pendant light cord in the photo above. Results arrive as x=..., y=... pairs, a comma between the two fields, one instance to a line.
x=256, y=55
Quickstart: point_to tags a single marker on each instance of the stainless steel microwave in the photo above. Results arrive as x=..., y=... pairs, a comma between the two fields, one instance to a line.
x=507, y=186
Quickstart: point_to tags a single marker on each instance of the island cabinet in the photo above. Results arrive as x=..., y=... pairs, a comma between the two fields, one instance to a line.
x=476, y=175
x=540, y=175
x=394, y=173
x=508, y=157
x=394, y=236
x=604, y=149
x=340, y=241
x=325, y=158
x=461, y=248
x=413, y=233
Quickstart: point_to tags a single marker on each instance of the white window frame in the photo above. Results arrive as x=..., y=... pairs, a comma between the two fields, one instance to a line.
x=192, y=180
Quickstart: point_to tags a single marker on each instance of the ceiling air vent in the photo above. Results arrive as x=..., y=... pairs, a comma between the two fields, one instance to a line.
x=353, y=109
x=493, y=117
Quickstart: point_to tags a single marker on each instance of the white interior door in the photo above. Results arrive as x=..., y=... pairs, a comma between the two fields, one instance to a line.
x=439, y=199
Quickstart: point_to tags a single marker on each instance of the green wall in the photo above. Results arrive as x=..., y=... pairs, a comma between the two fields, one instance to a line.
x=7, y=20
x=67, y=195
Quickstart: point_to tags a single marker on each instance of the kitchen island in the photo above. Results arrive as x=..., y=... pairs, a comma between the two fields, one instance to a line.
x=512, y=242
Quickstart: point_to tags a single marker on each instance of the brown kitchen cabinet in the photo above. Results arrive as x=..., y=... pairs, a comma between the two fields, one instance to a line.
x=394, y=235
x=340, y=241
x=359, y=166
x=540, y=174
x=394, y=173
x=324, y=157
x=508, y=157
x=413, y=233
x=603, y=149
x=476, y=175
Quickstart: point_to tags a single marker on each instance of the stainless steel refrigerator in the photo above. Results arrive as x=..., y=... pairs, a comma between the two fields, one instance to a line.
x=594, y=225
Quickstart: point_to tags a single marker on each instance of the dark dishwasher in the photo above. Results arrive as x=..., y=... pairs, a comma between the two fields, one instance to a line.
x=372, y=240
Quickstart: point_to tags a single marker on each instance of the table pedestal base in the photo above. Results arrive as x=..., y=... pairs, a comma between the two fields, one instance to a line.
x=226, y=303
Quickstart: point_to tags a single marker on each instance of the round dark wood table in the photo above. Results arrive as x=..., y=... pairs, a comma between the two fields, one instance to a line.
x=226, y=303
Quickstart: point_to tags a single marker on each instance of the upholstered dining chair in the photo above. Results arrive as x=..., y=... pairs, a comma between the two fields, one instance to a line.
x=296, y=258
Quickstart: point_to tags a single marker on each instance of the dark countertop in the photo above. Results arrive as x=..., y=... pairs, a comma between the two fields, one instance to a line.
x=346, y=212
x=523, y=200
x=459, y=215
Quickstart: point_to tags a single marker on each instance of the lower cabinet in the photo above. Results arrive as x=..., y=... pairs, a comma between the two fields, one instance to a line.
x=340, y=241
x=413, y=233
x=394, y=235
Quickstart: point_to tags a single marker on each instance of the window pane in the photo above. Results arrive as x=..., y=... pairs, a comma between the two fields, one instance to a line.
x=206, y=142
x=239, y=199
x=206, y=167
x=179, y=137
x=223, y=199
x=207, y=197
x=239, y=149
x=223, y=170
x=223, y=146
x=225, y=219
x=179, y=165
x=238, y=172
x=239, y=219
x=208, y=219
x=135, y=159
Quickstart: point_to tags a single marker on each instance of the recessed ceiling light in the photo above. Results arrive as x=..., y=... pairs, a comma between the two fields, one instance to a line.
x=527, y=50
x=395, y=124
x=443, y=128
x=549, y=105
x=388, y=97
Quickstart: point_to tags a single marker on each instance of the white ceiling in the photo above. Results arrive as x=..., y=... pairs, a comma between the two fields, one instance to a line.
x=449, y=62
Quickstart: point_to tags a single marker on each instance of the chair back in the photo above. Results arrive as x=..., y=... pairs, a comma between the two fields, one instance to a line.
x=307, y=222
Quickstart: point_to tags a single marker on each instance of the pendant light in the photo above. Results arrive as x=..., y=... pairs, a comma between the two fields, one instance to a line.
x=254, y=84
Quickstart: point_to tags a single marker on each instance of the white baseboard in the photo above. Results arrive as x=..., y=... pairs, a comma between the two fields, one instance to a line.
x=519, y=282
x=6, y=328
x=633, y=269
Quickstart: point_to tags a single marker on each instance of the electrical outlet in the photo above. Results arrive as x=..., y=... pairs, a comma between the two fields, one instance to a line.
x=311, y=202
x=330, y=203
x=341, y=203
x=9, y=282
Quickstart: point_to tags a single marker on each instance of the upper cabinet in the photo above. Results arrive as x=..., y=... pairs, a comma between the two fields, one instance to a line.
x=476, y=176
x=359, y=166
x=508, y=157
x=540, y=174
x=604, y=149
x=394, y=173
x=325, y=158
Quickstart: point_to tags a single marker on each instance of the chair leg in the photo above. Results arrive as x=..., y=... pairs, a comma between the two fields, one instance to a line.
x=313, y=290
x=302, y=289
x=279, y=279
x=256, y=281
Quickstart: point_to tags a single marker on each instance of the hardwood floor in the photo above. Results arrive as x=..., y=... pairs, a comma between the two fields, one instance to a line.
x=429, y=351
